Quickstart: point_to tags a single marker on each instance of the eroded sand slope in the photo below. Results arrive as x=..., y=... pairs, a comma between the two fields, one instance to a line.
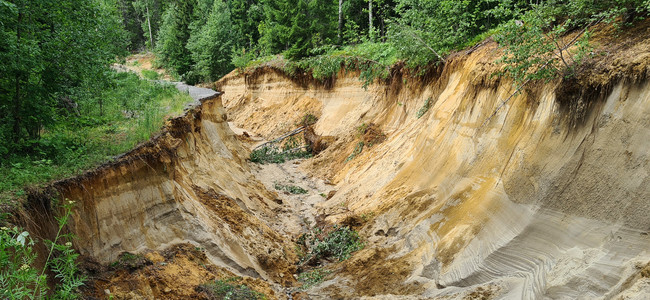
x=547, y=198
x=189, y=185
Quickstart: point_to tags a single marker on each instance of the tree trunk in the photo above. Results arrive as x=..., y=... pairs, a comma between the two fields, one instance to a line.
x=149, y=24
x=17, y=100
x=340, y=19
x=370, y=29
x=382, y=29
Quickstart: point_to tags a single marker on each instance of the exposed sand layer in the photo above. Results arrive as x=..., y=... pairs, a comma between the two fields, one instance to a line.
x=549, y=198
x=545, y=196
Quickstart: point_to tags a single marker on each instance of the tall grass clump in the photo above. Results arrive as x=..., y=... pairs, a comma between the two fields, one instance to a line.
x=229, y=288
x=130, y=110
x=20, y=279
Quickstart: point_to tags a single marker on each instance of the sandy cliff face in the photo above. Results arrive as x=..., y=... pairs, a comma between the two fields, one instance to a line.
x=545, y=196
x=191, y=184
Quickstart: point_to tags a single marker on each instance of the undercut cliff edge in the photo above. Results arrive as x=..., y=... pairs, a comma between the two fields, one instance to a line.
x=545, y=196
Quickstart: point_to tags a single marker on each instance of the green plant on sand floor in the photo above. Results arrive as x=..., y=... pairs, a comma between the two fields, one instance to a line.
x=291, y=189
x=273, y=155
x=229, y=289
x=313, y=277
x=338, y=243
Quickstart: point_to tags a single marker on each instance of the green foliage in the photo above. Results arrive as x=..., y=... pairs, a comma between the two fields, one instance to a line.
x=173, y=35
x=150, y=74
x=421, y=33
x=246, y=16
x=357, y=150
x=373, y=60
x=291, y=189
x=270, y=154
x=132, y=110
x=211, y=44
x=20, y=280
x=428, y=30
x=229, y=289
x=243, y=58
x=147, y=15
x=425, y=107
x=534, y=45
x=312, y=277
x=307, y=120
x=201, y=40
x=131, y=22
x=48, y=50
x=295, y=27
x=339, y=243
x=129, y=261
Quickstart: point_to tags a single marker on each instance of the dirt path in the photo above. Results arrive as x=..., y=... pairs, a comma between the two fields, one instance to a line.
x=197, y=93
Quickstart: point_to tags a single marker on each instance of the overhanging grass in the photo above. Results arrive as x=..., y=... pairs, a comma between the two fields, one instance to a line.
x=132, y=111
x=373, y=59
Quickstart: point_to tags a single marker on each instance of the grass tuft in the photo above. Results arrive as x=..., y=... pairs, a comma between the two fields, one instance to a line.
x=132, y=111
x=229, y=289
x=313, y=277
x=291, y=189
x=150, y=74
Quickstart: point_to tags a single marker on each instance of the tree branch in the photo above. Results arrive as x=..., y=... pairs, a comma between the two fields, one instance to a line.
x=419, y=39
x=543, y=67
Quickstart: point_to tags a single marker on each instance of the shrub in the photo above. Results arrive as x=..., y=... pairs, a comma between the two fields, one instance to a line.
x=312, y=277
x=20, y=280
x=338, y=243
x=129, y=261
x=291, y=189
x=307, y=120
x=273, y=155
x=228, y=289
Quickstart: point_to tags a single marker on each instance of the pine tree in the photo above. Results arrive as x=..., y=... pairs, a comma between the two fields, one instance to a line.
x=246, y=15
x=173, y=36
x=211, y=45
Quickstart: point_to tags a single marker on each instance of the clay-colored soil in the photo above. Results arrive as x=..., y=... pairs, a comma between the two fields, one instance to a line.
x=139, y=62
x=545, y=196
x=175, y=273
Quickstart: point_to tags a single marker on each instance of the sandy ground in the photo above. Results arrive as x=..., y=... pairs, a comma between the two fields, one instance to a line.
x=299, y=211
